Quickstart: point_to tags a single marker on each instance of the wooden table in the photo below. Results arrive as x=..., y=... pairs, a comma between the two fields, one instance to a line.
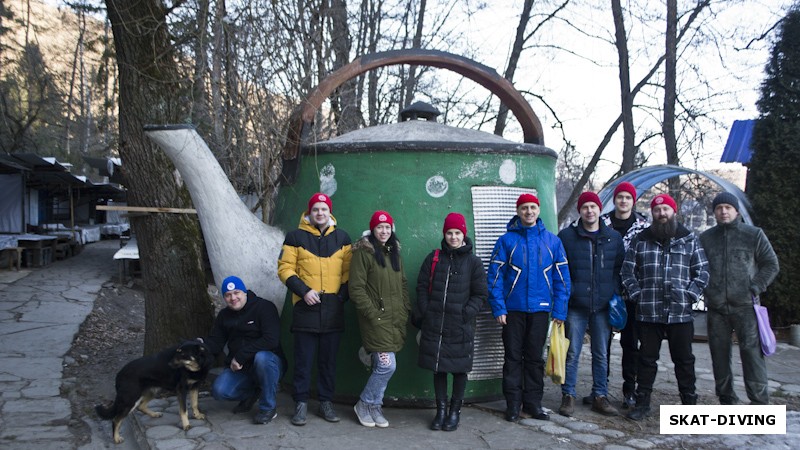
x=38, y=249
x=128, y=253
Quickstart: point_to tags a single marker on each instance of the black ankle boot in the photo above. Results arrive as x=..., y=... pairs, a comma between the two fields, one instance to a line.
x=451, y=423
x=688, y=399
x=441, y=412
x=642, y=407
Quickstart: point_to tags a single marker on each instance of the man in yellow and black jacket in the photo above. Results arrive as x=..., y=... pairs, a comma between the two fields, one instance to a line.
x=314, y=264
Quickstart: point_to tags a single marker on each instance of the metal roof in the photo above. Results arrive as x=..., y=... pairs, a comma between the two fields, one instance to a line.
x=738, y=149
x=647, y=177
x=107, y=167
x=47, y=172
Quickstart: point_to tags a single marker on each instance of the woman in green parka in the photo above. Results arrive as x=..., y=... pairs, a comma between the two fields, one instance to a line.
x=379, y=291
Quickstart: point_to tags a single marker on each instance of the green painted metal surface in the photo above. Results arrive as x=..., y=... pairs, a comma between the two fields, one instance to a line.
x=410, y=186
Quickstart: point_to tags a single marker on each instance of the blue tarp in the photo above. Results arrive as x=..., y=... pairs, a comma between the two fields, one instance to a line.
x=738, y=149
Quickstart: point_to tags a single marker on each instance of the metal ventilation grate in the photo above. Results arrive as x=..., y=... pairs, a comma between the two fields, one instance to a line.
x=492, y=208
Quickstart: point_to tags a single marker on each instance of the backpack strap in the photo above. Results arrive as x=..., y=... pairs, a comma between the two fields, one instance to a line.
x=433, y=268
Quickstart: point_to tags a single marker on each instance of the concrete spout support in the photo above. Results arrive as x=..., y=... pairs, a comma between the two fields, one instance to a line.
x=237, y=242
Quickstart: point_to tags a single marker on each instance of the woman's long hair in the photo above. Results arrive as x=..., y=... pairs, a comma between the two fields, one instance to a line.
x=391, y=247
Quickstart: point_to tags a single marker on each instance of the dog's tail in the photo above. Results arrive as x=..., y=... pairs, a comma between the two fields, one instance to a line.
x=105, y=412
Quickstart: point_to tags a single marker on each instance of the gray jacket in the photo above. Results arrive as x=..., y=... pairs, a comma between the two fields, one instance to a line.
x=741, y=263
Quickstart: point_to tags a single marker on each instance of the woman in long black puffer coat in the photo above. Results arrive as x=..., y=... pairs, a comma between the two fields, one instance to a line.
x=451, y=289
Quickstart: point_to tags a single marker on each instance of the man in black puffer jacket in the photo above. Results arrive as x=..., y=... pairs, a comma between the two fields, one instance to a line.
x=251, y=329
x=595, y=253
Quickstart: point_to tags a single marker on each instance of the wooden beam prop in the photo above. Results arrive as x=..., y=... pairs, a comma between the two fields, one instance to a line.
x=146, y=209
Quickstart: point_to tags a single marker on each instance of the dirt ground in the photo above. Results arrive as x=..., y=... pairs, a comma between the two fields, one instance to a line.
x=112, y=335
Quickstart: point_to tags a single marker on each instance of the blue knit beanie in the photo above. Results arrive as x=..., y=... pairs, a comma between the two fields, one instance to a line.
x=232, y=283
x=725, y=197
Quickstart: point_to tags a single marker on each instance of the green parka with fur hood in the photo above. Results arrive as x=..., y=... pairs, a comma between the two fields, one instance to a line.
x=380, y=295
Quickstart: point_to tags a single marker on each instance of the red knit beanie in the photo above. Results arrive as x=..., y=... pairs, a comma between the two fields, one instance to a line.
x=664, y=199
x=379, y=217
x=319, y=197
x=527, y=198
x=625, y=187
x=454, y=221
x=589, y=197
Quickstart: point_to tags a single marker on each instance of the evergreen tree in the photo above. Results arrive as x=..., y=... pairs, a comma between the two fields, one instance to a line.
x=773, y=182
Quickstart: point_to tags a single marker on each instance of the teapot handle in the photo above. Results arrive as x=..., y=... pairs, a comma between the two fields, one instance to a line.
x=303, y=115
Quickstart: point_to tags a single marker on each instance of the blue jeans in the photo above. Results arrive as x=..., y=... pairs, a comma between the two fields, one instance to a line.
x=265, y=372
x=600, y=333
x=383, y=366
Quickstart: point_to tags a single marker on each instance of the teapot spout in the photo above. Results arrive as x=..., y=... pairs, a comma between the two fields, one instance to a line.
x=237, y=242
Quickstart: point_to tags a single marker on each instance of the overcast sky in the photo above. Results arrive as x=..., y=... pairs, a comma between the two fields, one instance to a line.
x=585, y=93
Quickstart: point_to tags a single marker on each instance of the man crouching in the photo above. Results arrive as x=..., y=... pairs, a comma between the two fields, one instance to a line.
x=251, y=328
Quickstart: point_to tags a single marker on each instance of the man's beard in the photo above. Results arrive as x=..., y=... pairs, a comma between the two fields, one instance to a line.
x=666, y=230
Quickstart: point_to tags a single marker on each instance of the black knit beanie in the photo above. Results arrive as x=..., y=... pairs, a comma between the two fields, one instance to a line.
x=725, y=197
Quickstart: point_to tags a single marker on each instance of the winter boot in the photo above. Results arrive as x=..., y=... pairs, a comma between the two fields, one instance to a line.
x=642, y=407
x=689, y=399
x=451, y=423
x=441, y=411
x=512, y=410
x=567, y=407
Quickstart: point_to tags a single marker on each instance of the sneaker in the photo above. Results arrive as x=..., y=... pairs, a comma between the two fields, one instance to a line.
x=326, y=411
x=567, y=407
x=602, y=406
x=377, y=416
x=265, y=417
x=300, y=410
x=363, y=414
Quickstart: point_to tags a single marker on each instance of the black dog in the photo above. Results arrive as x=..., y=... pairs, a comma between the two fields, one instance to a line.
x=180, y=369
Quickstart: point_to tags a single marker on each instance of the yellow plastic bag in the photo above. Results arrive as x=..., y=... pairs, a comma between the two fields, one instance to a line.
x=556, y=367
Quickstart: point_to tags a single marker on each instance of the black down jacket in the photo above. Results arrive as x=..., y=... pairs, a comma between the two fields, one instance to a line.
x=594, y=265
x=446, y=315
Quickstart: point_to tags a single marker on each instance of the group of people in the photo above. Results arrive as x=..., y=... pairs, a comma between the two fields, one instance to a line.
x=534, y=278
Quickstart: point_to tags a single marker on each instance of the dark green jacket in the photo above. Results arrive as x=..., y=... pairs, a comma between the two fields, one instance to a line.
x=380, y=296
x=741, y=263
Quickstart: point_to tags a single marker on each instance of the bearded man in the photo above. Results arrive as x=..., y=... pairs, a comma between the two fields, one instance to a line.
x=664, y=272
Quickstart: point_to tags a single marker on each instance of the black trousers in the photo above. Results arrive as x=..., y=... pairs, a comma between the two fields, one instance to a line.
x=629, y=341
x=324, y=346
x=679, y=337
x=524, y=336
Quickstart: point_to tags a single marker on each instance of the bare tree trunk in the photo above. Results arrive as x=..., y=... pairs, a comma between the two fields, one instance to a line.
x=218, y=111
x=200, y=114
x=621, y=41
x=71, y=96
x=668, y=127
x=513, y=60
x=176, y=303
x=372, y=45
x=416, y=42
x=576, y=190
x=343, y=102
